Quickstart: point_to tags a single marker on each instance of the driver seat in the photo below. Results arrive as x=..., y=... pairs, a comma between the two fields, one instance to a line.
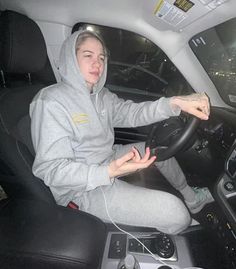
x=23, y=51
x=35, y=232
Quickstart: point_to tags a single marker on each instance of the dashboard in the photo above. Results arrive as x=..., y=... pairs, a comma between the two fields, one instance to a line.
x=225, y=188
x=219, y=132
x=222, y=220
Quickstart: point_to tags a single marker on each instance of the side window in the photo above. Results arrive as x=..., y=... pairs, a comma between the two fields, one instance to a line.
x=137, y=68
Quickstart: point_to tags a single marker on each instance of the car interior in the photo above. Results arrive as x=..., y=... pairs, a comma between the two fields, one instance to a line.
x=157, y=48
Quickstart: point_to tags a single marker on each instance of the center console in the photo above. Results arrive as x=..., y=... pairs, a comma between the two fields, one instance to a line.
x=168, y=250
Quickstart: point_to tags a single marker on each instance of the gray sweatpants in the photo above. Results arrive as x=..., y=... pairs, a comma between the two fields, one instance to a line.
x=138, y=206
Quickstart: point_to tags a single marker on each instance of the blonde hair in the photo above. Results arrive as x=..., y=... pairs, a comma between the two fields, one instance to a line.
x=89, y=34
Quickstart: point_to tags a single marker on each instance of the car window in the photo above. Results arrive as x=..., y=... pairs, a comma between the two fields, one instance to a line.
x=215, y=48
x=137, y=68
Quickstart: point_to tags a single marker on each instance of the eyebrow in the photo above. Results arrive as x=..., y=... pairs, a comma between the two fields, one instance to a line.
x=93, y=52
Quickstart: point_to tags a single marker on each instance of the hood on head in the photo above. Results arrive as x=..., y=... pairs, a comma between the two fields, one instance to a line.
x=69, y=68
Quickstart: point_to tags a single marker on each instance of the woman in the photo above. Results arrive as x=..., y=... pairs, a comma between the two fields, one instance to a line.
x=73, y=135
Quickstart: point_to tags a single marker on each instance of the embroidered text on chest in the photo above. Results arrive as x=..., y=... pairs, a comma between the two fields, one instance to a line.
x=80, y=118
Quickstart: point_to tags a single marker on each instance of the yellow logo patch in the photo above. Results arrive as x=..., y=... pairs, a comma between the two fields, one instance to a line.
x=80, y=118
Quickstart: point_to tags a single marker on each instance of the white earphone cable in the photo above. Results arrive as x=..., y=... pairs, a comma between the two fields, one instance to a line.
x=131, y=235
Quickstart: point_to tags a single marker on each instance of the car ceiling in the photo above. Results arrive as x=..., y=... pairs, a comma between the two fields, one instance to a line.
x=143, y=17
x=127, y=13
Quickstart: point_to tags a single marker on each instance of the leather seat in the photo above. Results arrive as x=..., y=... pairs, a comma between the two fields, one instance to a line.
x=37, y=235
x=23, y=51
x=34, y=231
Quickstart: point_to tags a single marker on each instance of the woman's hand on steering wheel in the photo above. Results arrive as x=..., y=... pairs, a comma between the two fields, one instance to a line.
x=196, y=104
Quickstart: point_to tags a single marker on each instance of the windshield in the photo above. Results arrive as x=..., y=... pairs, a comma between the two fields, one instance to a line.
x=215, y=48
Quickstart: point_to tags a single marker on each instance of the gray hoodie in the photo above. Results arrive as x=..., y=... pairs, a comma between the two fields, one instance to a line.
x=73, y=130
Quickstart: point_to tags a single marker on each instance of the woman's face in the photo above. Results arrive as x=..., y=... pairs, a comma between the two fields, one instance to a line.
x=91, y=60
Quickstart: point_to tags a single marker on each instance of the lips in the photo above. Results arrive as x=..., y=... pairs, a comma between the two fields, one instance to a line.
x=95, y=73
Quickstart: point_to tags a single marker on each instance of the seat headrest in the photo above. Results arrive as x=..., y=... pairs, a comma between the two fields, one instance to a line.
x=23, y=49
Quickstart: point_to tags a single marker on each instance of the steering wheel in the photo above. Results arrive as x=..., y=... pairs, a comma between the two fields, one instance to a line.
x=177, y=137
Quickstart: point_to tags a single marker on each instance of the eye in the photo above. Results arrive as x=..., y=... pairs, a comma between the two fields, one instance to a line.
x=102, y=58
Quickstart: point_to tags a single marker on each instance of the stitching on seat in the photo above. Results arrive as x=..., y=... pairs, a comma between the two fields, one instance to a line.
x=1, y=118
x=25, y=161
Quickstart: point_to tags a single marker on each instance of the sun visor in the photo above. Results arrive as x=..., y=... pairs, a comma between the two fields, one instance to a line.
x=177, y=14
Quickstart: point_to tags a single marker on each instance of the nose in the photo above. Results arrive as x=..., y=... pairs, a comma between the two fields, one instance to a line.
x=97, y=62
